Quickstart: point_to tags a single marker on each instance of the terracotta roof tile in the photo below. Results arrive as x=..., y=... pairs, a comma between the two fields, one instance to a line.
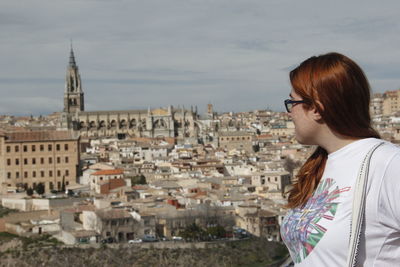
x=109, y=172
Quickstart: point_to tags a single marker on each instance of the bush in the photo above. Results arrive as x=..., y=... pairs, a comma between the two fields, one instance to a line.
x=4, y=211
x=216, y=231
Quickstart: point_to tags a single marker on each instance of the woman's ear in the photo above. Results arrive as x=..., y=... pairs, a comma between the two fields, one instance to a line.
x=316, y=111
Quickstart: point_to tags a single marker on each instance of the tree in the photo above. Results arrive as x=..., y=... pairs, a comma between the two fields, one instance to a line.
x=217, y=231
x=29, y=191
x=40, y=188
x=193, y=232
x=142, y=179
x=63, y=184
x=289, y=165
x=138, y=179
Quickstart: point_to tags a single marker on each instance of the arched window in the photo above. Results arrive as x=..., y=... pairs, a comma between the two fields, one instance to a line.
x=102, y=124
x=92, y=125
x=113, y=124
x=132, y=123
x=123, y=124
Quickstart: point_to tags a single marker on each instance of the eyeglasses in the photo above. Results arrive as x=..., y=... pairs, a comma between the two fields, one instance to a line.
x=289, y=104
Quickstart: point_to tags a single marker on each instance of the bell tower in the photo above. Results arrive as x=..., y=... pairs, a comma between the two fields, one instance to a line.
x=73, y=94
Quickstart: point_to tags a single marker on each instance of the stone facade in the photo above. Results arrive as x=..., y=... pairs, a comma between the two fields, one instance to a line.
x=168, y=122
x=391, y=102
x=29, y=158
x=238, y=140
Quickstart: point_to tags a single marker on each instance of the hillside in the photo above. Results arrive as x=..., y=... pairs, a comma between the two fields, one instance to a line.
x=45, y=251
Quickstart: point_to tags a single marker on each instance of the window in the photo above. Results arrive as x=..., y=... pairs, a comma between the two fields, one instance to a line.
x=58, y=173
x=66, y=172
x=33, y=148
x=8, y=149
x=41, y=147
x=34, y=174
x=8, y=162
x=49, y=148
x=26, y=161
x=66, y=159
x=41, y=173
x=58, y=147
x=50, y=160
x=33, y=161
x=8, y=175
x=25, y=174
x=25, y=148
x=41, y=160
x=17, y=175
x=50, y=173
x=16, y=148
x=58, y=160
x=66, y=147
x=16, y=161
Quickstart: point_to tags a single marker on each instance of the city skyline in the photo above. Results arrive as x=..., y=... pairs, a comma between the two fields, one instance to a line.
x=235, y=55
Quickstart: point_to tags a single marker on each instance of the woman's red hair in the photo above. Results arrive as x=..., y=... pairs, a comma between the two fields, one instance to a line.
x=338, y=88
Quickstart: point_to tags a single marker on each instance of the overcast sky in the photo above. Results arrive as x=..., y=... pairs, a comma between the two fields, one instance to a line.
x=234, y=54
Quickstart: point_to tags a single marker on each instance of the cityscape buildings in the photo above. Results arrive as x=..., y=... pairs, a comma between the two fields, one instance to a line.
x=117, y=176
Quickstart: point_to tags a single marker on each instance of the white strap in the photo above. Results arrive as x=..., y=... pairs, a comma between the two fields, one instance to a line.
x=358, y=208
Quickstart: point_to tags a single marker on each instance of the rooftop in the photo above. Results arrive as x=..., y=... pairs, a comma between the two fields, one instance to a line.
x=109, y=172
x=36, y=136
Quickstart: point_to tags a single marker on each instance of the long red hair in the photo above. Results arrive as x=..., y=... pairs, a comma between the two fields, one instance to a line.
x=338, y=88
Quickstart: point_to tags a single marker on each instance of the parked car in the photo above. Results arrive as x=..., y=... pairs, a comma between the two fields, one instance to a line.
x=108, y=240
x=177, y=238
x=149, y=238
x=240, y=233
x=135, y=241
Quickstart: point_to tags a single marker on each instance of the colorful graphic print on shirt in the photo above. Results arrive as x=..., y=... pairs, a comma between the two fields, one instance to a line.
x=302, y=227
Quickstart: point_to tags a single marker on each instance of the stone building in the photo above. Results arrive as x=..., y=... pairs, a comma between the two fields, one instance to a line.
x=47, y=157
x=272, y=180
x=376, y=105
x=162, y=122
x=238, y=140
x=391, y=102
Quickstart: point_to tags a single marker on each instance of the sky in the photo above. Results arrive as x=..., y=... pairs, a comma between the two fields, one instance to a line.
x=135, y=54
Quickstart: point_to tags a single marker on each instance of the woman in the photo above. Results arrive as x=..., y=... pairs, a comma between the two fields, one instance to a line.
x=329, y=106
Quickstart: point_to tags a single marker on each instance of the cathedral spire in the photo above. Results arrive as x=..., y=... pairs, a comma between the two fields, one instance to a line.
x=73, y=94
x=72, y=62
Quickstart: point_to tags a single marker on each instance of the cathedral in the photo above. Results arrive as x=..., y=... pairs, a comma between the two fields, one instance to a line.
x=154, y=123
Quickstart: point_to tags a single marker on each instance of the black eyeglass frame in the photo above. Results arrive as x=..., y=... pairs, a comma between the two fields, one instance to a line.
x=289, y=103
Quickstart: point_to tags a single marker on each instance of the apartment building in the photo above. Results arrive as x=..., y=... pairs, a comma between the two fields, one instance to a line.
x=30, y=158
x=376, y=105
x=273, y=180
x=238, y=140
x=391, y=102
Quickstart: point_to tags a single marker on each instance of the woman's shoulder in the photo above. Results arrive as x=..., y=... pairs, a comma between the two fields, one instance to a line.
x=386, y=167
x=387, y=150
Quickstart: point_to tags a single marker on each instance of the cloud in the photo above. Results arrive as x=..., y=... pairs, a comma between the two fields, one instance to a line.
x=234, y=54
